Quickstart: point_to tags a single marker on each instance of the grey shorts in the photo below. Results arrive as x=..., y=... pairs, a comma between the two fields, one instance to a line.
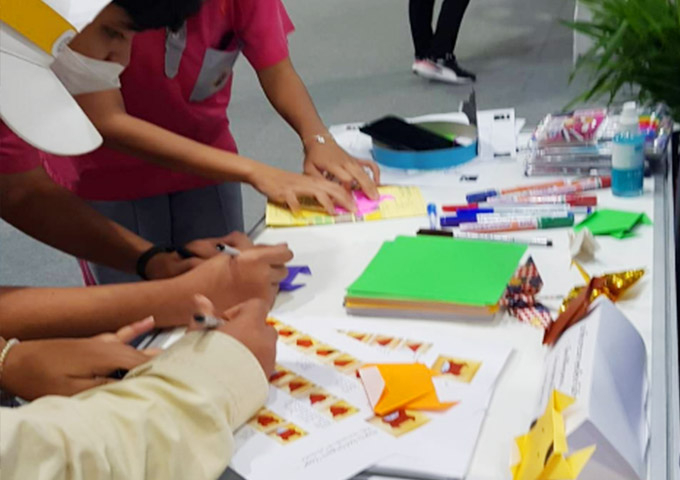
x=172, y=219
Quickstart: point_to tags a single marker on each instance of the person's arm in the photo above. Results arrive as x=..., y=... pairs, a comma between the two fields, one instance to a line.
x=155, y=144
x=32, y=202
x=170, y=419
x=289, y=96
x=29, y=313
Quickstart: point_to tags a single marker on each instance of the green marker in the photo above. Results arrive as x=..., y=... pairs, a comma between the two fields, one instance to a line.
x=513, y=225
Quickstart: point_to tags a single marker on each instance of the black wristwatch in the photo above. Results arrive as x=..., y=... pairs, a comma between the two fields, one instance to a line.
x=145, y=257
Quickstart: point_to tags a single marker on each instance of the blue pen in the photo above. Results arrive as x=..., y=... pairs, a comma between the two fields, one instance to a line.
x=432, y=214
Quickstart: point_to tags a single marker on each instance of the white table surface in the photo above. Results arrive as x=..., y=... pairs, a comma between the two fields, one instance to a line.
x=337, y=254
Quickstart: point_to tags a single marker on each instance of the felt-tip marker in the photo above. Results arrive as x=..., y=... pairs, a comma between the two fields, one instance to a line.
x=228, y=250
x=538, y=241
x=519, y=203
x=518, y=225
x=207, y=321
x=558, y=187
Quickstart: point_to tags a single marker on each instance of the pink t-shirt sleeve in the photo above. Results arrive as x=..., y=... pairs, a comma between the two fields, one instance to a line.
x=16, y=156
x=262, y=26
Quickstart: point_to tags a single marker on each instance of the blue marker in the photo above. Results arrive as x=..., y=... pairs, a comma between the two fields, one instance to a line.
x=432, y=214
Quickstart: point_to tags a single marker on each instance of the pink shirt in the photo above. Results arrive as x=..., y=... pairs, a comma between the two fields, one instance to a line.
x=181, y=82
x=16, y=156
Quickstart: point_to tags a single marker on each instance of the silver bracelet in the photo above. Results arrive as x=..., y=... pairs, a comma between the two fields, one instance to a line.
x=3, y=354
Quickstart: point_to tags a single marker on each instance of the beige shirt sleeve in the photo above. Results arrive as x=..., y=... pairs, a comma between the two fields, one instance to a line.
x=171, y=418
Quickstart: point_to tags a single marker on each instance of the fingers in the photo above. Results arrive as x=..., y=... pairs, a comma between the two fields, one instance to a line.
x=128, y=333
x=152, y=352
x=272, y=255
x=339, y=196
x=117, y=357
x=292, y=202
x=325, y=202
x=202, y=306
x=254, y=309
x=375, y=169
x=238, y=240
x=278, y=274
x=365, y=182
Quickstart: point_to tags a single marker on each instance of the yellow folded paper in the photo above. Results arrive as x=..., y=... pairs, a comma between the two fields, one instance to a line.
x=542, y=451
x=394, y=386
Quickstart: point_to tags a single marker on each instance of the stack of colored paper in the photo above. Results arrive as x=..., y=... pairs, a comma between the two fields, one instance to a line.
x=433, y=276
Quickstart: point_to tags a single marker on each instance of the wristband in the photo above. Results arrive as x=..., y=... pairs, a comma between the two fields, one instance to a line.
x=5, y=351
x=145, y=257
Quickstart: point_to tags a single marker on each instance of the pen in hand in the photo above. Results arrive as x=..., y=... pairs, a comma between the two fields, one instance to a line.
x=207, y=322
x=226, y=249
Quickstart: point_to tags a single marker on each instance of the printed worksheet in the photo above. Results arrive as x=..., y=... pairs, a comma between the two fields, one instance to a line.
x=318, y=423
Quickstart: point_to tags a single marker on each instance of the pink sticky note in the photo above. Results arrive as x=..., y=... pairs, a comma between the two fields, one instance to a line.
x=364, y=204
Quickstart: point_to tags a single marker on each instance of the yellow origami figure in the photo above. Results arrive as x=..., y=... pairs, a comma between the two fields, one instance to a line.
x=543, y=449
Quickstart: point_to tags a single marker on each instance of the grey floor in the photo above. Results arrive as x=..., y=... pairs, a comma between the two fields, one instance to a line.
x=355, y=57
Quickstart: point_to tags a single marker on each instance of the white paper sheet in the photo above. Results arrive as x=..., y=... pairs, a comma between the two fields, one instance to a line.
x=443, y=445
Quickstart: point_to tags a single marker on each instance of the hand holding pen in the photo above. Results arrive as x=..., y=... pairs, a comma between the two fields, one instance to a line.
x=245, y=322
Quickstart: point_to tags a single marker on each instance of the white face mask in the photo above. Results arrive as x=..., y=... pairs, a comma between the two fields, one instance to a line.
x=81, y=74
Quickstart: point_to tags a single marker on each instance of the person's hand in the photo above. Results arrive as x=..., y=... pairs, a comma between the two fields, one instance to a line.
x=168, y=265
x=255, y=273
x=207, y=247
x=329, y=159
x=246, y=322
x=287, y=188
x=68, y=366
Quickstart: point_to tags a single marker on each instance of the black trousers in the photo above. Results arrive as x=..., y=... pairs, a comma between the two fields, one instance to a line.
x=442, y=41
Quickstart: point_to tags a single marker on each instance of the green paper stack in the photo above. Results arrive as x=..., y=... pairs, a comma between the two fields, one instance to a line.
x=433, y=276
x=615, y=223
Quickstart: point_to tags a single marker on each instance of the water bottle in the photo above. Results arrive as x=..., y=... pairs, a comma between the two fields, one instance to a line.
x=628, y=154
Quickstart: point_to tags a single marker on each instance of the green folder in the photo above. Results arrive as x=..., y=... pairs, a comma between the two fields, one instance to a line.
x=463, y=272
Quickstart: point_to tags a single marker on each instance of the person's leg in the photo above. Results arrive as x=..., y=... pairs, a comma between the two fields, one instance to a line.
x=444, y=43
x=206, y=212
x=148, y=217
x=448, y=27
x=420, y=18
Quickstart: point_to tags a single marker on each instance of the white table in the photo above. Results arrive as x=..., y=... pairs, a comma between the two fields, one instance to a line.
x=337, y=254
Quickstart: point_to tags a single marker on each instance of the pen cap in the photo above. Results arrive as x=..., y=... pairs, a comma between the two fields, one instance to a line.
x=456, y=208
x=582, y=200
x=556, y=222
x=480, y=196
x=455, y=221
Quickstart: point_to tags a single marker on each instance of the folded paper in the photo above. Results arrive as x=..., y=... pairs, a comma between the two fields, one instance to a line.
x=542, y=451
x=582, y=245
x=287, y=284
x=520, y=296
x=575, y=305
x=391, y=387
x=616, y=223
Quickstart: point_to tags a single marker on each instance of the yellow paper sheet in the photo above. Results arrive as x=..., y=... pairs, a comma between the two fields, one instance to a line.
x=405, y=202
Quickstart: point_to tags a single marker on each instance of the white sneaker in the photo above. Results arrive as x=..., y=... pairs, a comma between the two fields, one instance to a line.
x=425, y=68
x=447, y=70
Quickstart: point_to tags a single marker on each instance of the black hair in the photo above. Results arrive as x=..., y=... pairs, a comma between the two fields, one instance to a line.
x=152, y=14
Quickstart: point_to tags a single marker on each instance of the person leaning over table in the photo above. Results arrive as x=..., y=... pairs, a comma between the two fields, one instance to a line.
x=43, y=113
x=168, y=148
x=170, y=418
